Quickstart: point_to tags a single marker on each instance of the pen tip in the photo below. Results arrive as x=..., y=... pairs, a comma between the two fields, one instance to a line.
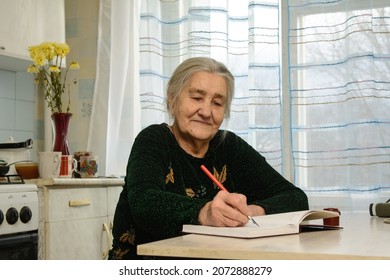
x=253, y=221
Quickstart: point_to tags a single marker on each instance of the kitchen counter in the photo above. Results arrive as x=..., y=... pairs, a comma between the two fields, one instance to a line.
x=79, y=182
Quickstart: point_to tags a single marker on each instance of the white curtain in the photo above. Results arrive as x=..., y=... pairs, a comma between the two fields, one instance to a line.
x=340, y=96
x=115, y=118
x=312, y=84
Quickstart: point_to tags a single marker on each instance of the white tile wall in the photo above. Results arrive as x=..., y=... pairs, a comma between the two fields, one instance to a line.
x=17, y=106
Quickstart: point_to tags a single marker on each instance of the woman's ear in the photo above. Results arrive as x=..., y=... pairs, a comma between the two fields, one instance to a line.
x=171, y=105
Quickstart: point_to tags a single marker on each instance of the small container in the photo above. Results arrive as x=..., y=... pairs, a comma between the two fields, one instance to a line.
x=68, y=166
x=335, y=221
x=27, y=170
x=77, y=155
x=89, y=166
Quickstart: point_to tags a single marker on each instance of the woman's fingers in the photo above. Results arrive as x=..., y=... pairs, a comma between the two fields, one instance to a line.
x=226, y=209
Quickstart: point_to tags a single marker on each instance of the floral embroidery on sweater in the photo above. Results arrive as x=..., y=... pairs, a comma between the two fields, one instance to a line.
x=190, y=192
x=170, y=177
x=221, y=177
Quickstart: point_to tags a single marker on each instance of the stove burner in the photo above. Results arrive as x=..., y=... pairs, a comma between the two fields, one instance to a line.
x=11, y=179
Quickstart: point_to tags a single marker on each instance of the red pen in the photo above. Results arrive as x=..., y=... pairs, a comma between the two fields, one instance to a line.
x=221, y=187
x=211, y=176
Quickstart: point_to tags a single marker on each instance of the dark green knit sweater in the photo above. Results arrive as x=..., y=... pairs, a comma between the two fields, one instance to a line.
x=165, y=187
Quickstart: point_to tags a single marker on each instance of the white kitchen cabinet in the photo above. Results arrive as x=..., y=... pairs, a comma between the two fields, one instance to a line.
x=76, y=217
x=28, y=22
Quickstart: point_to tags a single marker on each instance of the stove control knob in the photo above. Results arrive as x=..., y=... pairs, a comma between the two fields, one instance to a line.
x=12, y=215
x=1, y=217
x=25, y=214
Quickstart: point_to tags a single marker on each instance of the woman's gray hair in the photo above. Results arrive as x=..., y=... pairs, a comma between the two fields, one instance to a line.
x=187, y=68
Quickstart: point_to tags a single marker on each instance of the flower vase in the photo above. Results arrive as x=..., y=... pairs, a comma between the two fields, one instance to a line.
x=60, y=122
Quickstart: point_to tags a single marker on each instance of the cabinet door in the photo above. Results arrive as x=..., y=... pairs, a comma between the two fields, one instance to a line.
x=76, y=239
x=29, y=22
x=74, y=223
x=78, y=222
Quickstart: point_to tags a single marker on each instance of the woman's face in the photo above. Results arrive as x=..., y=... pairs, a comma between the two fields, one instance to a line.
x=200, y=107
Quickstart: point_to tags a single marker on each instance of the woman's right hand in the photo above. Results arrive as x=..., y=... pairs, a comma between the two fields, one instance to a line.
x=225, y=210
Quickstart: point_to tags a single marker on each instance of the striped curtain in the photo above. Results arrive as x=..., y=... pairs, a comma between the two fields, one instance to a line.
x=340, y=98
x=243, y=35
x=313, y=91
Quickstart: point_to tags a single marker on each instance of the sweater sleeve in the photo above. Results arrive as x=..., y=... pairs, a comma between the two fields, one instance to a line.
x=261, y=183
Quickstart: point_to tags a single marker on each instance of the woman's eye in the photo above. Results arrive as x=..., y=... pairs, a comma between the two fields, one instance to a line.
x=217, y=103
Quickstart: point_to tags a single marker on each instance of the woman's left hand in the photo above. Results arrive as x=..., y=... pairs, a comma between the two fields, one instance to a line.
x=256, y=210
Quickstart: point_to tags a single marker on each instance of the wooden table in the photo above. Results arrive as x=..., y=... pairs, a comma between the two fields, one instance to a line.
x=362, y=237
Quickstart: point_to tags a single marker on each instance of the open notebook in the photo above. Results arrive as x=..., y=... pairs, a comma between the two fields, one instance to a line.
x=270, y=225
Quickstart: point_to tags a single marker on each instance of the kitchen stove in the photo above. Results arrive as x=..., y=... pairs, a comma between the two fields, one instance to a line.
x=18, y=219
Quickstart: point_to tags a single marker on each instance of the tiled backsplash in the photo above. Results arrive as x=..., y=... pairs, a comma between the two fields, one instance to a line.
x=17, y=106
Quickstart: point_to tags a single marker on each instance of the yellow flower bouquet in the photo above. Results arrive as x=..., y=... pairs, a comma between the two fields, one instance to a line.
x=47, y=67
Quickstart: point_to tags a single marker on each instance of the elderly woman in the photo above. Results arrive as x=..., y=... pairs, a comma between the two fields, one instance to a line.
x=165, y=186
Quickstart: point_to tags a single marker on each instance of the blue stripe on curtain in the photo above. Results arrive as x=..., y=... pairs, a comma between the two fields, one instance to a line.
x=339, y=71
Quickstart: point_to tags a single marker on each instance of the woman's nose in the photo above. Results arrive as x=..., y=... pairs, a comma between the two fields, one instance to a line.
x=205, y=109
